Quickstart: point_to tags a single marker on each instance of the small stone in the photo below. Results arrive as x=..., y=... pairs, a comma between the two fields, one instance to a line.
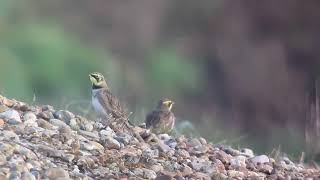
x=171, y=143
x=15, y=175
x=98, y=125
x=265, y=168
x=90, y=135
x=47, y=108
x=35, y=173
x=68, y=157
x=165, y=177
x=3, y=159
x=171, y=166
x=125, y=138
x=222, y=156
x=259, y=159
x=203, y=141
x=57, y=172
x=149, y=153
x=25, y=152
x=235, y=174
x=45, y=124
x=27, y=176
x=186, y=170
x=8, y=102
x=58, y=122
x=200, y=164
x=46, y=115
x=247, y=152
x=238, y=162
x=9, y=135
x=30, y=119
x=199, y=149
x=1, y=122
x=73, y=124
x=88, y=127
x=156, y=168
x=148, y=174
x=232, y=152
x=29, y=116
x=107, y=132
x=6, y=149
x=11, y=116
x=138, y=172
x=111, y=143
x=50, y=152
x=84, y=124
x=183, y=153
x=63, y=115
x=3, y=108
x=194, y=142
x=199, y=175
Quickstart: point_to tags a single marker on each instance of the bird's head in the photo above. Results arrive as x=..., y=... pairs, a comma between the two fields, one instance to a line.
x=165, y=104
x=97, y=80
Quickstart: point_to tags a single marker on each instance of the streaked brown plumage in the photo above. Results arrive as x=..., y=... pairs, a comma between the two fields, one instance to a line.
x=103, y=101
x=161, y=120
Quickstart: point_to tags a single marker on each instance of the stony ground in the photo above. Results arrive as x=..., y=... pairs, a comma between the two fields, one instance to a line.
x=39, y=142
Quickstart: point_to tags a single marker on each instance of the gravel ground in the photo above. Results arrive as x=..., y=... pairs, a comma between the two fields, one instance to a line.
x=39, y=142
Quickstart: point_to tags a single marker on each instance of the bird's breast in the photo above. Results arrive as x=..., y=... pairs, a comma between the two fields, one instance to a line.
x=97, y=105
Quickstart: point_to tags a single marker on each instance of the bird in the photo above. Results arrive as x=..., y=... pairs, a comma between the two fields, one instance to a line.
x=107, y=105
x=161, y=119
x=103, y=101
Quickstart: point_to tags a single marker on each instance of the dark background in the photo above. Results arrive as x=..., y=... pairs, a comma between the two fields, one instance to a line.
x=241, y=72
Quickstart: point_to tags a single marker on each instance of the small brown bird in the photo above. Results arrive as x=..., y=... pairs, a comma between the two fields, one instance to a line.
x=103, y=101
x=106, y=104
x=161, y=120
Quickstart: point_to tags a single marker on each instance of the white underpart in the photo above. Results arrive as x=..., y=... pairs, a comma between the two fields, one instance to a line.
x=96, y=104
x=172, y=124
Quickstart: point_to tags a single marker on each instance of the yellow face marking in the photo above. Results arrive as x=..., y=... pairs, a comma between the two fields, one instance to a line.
x=92, y=79
x=169, y=104
x=96, y=78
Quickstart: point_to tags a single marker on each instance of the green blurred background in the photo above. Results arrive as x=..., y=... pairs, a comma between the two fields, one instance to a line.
x=241, y=73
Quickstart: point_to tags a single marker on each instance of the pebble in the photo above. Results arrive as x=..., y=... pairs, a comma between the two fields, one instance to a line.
x=63, y=115
x=9, y=136
x=1, y=122
x=247, y=152
x=30, y=119
x=108, y=132
x=148, y=174
x=27, y=176
x=49, y=144
x=73, y=124
x=111, y=143
x=238, y=162
x=58, y=123
x=45, y=124
x=260, y=159
x=56, y=172
x=11, y=116
x=235, y=174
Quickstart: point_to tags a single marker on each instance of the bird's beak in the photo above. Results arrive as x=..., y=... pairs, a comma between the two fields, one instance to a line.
x=92, y=79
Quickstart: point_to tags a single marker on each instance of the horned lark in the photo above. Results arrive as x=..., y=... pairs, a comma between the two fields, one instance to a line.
x=107, y=105
x=161, y=120
x=103, y=101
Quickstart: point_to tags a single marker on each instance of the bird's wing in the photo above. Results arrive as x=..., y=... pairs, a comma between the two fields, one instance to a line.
x=111, y=103
x=155, y=118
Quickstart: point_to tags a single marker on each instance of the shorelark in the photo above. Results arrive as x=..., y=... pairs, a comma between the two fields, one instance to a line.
x=107, y=105
x=161, y=120
x=103, y=101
